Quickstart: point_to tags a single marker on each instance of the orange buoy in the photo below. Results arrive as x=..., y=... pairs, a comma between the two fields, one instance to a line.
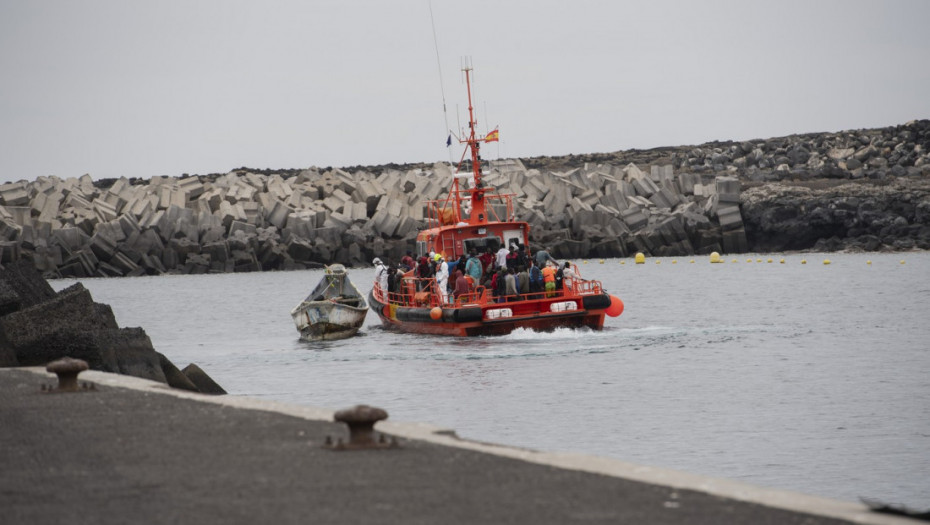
x=436, y=313
x=615, y=308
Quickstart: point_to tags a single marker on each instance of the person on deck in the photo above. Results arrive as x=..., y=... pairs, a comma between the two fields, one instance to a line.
x=548, y=273
x=536, y=279
x=442, y=279
x=512, y=259
x=381, y=275
x=473, y=267
x=510, y=285
x=523, y=281
x=502, y=257
x=487, y=262
x=500, y=285
x=461, y=286
x=568, y=275
x=423, y=272
x=542, y=257
x=407, y=263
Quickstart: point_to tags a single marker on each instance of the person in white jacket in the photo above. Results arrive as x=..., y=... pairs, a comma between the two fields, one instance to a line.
x=381, y=275
x=442, y=278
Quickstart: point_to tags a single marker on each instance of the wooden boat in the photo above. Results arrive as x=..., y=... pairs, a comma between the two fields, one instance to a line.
x=335, y=309
x=477, y=218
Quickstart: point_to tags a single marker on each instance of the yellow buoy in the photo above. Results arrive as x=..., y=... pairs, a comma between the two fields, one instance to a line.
x=868, y=262
x=691, y=261
x=902, y=261
x=715, y=257
x=758, y=260
x=622, y=262
x=803, y=261
x=782, y=261
x=749, y=260
x=602, y=261
x=658, y=261
x=584, y=261
x=734, y=260
x=826, y=261
x=769, y=260
x=674, y=261
x=640, y=258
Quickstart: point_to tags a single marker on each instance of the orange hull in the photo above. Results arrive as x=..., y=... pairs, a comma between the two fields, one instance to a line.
x=474, y=320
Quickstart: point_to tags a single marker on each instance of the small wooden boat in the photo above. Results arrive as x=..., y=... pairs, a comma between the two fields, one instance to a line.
x=334, y=310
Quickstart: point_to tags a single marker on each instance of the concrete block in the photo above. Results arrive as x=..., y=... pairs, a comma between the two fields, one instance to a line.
x=14, y=194
x=729, y=217
x=104, y=210
x=278, y=214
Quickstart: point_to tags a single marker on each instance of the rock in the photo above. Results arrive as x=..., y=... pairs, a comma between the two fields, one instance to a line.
x=38, y=326
x=204, y=383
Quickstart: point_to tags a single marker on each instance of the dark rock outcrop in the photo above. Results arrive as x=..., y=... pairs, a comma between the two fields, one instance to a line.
x=205, y=384
x=39, y=326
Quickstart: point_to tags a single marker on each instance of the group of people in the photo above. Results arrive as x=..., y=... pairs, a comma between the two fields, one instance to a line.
x=509, y=273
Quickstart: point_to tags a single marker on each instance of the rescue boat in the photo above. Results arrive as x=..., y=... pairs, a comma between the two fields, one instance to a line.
x=475, y=217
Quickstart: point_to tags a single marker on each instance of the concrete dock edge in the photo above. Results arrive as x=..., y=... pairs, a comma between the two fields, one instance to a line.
x=723, y=488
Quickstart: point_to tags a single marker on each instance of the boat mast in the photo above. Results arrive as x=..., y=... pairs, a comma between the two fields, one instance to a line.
x=478, y=213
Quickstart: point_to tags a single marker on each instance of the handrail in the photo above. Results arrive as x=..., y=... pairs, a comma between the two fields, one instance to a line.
x=422, y=293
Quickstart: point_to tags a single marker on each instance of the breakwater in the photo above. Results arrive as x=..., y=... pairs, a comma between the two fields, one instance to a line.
x=861, y=189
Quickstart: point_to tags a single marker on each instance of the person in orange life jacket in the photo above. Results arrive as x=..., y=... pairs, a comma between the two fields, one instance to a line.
x=548, y=274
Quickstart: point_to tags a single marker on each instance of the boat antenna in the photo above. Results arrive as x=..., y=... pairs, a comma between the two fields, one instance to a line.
x=442, y=89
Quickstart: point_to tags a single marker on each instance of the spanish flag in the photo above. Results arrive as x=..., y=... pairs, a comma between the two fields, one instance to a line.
x=493, y=136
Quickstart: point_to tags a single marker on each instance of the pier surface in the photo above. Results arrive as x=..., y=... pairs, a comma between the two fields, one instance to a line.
x=136, y=451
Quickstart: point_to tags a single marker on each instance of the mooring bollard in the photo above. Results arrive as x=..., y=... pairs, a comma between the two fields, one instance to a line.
x=361, y=421
x=67, y=370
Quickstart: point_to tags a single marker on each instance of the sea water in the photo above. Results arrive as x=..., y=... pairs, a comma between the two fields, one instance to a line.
x=808, y=377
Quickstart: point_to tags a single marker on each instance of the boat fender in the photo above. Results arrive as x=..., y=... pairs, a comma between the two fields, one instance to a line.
x=467, y=315
x=414, y=314
x=595, y=302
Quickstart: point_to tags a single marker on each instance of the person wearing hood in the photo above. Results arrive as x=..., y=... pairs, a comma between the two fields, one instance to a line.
x=442, y=279
x=381, y=276
x=473, y=267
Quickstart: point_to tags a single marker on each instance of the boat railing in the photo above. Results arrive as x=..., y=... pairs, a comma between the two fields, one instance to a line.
x=422, y=293
x=443, y=212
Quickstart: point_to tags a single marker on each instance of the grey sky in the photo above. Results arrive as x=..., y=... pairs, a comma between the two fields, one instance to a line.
x=115, y=88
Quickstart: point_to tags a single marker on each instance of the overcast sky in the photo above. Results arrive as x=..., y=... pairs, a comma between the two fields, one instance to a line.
x=144, y=88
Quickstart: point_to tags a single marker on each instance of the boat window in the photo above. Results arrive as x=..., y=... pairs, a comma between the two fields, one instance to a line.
x=481, y=244
x=421, y=248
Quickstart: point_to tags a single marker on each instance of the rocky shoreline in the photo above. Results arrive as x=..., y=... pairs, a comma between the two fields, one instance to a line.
x=851, y=190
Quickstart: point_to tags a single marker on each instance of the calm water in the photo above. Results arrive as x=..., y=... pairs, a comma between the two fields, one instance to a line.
x=813, y=378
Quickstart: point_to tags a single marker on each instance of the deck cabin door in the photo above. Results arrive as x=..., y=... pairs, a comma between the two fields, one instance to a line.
x=513, y=237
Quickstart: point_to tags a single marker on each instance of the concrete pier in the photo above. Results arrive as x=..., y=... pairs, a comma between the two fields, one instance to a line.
x=133, y=450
